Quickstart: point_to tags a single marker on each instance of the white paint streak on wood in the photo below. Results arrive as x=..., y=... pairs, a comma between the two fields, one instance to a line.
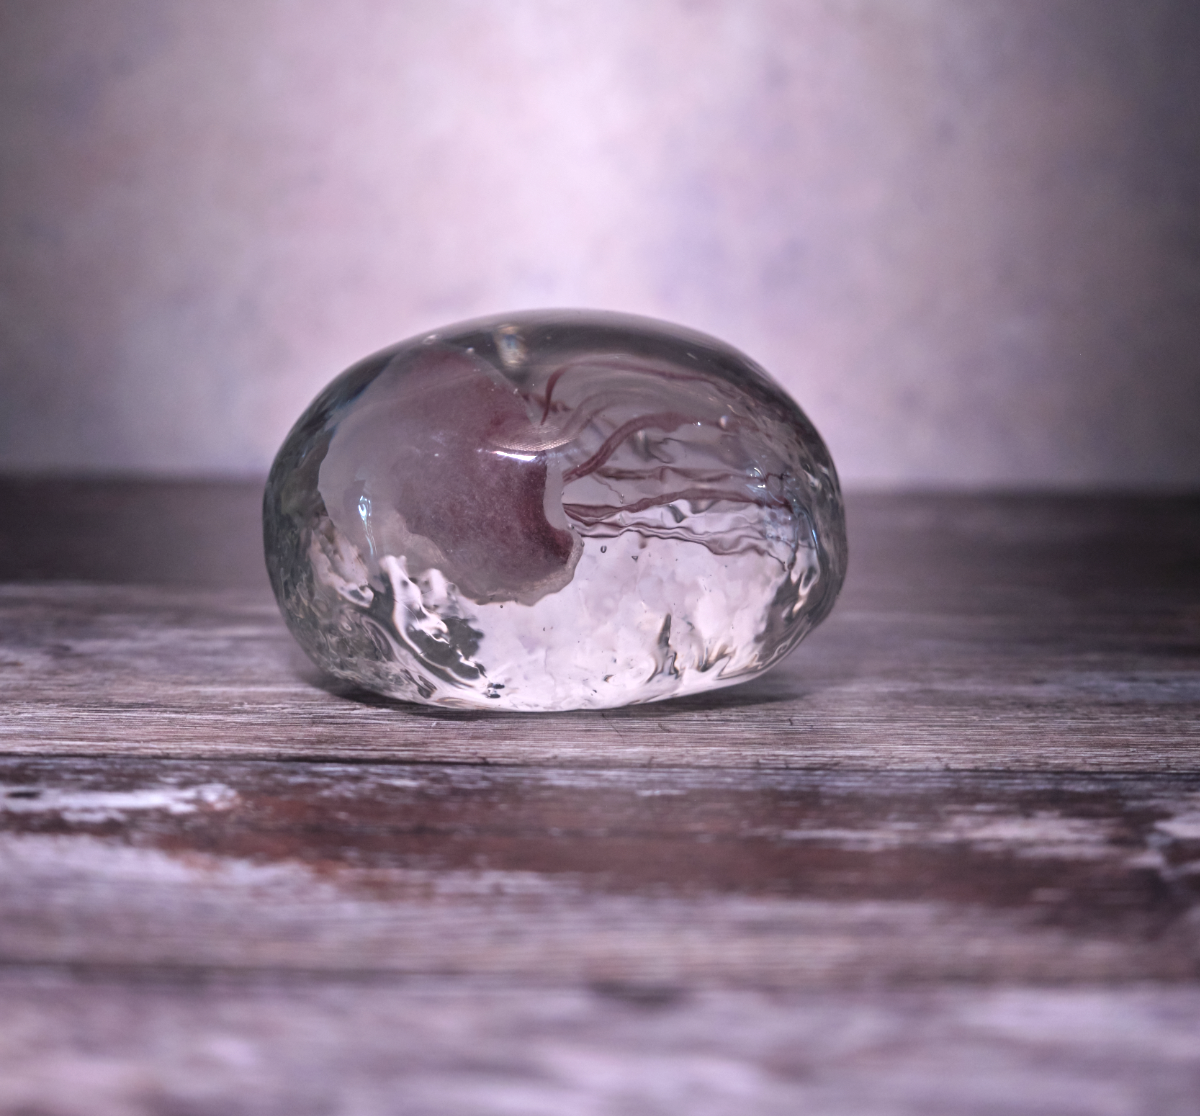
x=96, y=806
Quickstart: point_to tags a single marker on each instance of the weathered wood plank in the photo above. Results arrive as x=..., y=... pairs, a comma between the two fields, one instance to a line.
x=769, y=878
x=1012, y=633
x=857, y=885
x=442, y=1048
x=121, y=670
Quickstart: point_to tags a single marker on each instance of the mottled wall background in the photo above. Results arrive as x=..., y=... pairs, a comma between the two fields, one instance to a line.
x=964, y=233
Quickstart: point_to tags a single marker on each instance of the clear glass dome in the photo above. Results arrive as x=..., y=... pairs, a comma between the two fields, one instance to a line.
x=553, y=510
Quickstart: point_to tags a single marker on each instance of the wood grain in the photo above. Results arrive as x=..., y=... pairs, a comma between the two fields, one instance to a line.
x=768, y=878
x=945, y=859
x=973, y=634
x=428, y=1047
x=95, y=670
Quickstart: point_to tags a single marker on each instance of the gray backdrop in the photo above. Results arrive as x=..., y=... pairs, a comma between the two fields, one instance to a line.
x=964, y=233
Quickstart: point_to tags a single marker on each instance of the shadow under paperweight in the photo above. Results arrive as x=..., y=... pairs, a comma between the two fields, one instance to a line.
x=552, y=510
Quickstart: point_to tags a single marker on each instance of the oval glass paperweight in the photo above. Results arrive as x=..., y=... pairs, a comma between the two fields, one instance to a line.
x=553, y=510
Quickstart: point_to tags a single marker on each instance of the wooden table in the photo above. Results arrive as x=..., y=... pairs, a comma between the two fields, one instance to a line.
x=946, y=859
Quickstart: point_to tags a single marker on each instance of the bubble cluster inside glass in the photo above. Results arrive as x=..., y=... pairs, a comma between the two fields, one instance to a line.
x=553, y=510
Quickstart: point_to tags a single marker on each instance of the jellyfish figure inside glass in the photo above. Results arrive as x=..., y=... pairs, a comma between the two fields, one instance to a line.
x=553, y=510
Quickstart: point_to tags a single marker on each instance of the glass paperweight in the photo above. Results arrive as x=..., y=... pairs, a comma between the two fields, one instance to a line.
x=553, y=510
